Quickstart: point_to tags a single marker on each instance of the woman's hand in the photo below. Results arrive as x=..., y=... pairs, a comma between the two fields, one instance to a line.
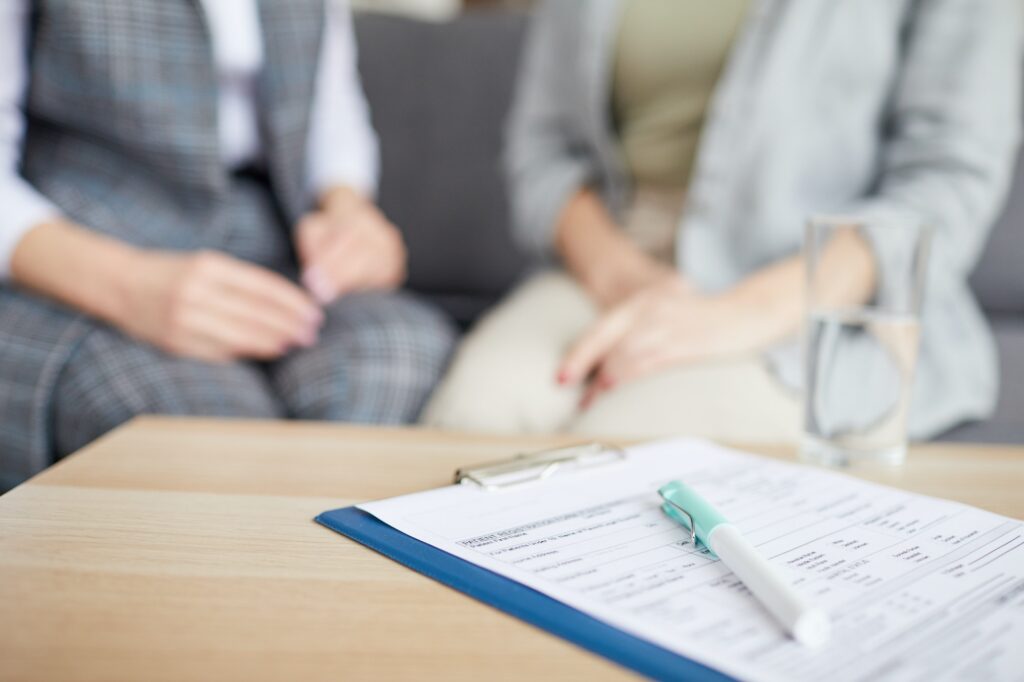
x=205, y=305
x=348, y=246
x=663, y=325
x=214, y=307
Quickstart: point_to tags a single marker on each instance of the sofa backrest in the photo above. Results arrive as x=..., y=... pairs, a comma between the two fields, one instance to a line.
x=998, y=281
x=440, y=93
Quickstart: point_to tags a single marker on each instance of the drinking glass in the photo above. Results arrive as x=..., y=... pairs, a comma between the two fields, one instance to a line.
x=859, y=355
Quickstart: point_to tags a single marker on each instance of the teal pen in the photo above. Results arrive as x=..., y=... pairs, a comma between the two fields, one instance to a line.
x=807, y=623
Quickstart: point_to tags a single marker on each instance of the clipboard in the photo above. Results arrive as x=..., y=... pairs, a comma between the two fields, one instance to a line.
x=508, y=595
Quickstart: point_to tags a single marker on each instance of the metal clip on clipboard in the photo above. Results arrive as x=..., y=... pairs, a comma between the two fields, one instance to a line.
x=538, y=466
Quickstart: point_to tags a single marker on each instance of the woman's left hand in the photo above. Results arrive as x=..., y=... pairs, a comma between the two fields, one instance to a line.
x=665, y=324
x=348, y=246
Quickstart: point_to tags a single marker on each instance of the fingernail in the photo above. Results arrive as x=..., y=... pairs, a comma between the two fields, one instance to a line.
x=563, y=377
x=318, y=283
x=316, y=318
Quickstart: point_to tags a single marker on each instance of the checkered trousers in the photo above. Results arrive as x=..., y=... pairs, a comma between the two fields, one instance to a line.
x=65, y=379
x=379, y=356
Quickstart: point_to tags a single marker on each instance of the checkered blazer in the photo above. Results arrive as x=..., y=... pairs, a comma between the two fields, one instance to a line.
x=122, y=136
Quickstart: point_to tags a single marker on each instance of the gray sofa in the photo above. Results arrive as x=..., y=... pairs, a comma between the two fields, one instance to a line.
x=439, y=95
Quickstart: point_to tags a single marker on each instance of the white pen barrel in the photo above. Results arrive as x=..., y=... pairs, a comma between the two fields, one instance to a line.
x=808, y=624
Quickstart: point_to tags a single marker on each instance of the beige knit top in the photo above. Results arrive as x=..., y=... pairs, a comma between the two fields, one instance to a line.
x=668, y=58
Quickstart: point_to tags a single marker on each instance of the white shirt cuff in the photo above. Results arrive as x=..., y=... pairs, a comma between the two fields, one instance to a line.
x=23, y=209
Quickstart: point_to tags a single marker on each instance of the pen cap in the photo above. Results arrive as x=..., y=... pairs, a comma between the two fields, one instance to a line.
x=705, y=517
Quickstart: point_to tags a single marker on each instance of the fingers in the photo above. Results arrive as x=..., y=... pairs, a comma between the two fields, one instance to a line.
x=362, y=262
x=220, y=337
x=622, y=365
x=618, y=366
x=226, y=308
x=265, y=287
x=642, y=350
x=207, y=335
x=312, y=236
x=341, y=254
x=319, y=283
x=655, y=328
x=266, y=320
x=591, y=393
x=321, y=272
x=350, y=272
x=587, y=353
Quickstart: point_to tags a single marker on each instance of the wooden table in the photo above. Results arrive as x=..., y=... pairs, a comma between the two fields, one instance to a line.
x=185, y=549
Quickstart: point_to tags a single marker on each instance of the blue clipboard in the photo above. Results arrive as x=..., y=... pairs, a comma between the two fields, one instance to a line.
x=517, y=600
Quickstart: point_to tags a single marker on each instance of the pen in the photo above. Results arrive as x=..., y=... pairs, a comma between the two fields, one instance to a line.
x=807, y=623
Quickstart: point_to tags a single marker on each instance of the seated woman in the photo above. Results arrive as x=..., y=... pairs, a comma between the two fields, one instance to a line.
x=188, y=225
x=669, y=154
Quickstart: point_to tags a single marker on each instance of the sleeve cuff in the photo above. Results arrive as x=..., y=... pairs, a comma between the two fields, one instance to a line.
x=24, y=209
x=537, y=210
x=367, y=186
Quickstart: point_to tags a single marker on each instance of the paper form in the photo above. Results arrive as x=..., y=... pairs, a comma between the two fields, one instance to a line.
x=917, y=588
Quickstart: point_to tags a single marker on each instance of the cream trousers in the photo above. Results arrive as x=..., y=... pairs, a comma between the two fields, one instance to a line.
x=502, y=380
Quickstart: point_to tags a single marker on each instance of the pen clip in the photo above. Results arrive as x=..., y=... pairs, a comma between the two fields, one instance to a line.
x=690, y=524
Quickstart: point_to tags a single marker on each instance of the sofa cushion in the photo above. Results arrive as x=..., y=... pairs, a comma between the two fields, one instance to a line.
x=439, y=94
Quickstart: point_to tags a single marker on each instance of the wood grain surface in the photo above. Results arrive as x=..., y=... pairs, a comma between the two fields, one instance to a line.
x=180, y=549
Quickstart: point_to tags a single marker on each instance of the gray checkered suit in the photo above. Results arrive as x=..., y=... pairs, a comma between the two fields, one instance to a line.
x=122, y=136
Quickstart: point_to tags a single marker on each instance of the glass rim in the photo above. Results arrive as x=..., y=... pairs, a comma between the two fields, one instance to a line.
x=839, y=220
